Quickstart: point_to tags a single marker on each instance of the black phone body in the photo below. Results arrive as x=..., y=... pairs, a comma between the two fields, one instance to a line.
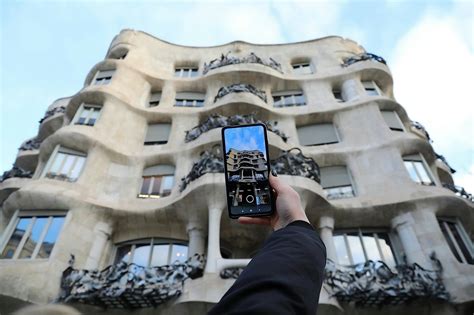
x=247, y=166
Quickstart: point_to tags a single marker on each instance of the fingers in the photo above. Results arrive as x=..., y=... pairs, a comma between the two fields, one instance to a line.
x=259, y=220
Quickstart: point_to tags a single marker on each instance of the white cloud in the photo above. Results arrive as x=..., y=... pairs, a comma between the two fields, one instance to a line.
x=432, y=69
x=466, y=179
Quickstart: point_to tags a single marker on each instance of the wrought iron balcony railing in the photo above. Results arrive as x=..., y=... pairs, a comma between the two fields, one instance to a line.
x=287, y=163
x=128, y=286
x=240, y=88
x=443, y=159
x=373, y=283
x=16, y=172
x=459, y=191
x=421, y=128
x=53, y=111
x=32, y=144
x=362, y=57
x=226, y=60
x=218, y=121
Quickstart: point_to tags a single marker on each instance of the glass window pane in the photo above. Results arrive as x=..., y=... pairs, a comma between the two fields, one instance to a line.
x=160, y=255
x=461, y=244
x=411, y=170
x=450, y=241
x=141, y=254
x=167, y=184
x=68, y=164
x=422, y=172
x=123, y=254
x=93, y=117
x=299, y=99
x=385, y=246
x=356, y=249
x=179, y=253
x=16, y=237
x=371, y=248
x=77, y=167
x=341, y=250
x=51, y=237
x=32, y=240
x=58, y=160
x=145, y=185
x=155, y=190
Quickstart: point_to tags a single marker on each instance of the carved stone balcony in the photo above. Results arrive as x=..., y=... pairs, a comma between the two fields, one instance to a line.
x=226, y=60
x=219, y=121
x=287, y=163
x=128, y=286
x=16, y=172
x=373, y=283
x=459, y=191
x=240, y=88
x=362, y=57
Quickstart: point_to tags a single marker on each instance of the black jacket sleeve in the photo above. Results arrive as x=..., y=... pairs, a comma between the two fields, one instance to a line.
x=285, y=277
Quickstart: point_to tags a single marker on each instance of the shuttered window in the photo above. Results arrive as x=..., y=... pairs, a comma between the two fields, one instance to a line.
x=186, y=72
x=336, y=182
x=288, y=98
x=157, y=181
x=189, y=99
x=317, y=134
x=371, y=88
x=103, y=77
x=157, y=134
x=154, y=99
x=392, y=120
x=302, y=68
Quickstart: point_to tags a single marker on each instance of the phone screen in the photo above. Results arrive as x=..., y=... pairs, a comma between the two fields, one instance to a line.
x=247, y=169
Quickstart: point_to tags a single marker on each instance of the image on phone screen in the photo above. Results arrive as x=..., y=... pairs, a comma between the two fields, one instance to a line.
x=247, y=171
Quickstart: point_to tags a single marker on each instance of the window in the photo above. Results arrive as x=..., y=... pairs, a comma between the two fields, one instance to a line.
x=154, y=99
x=417, y=170
x=371, y=88
x=189, y=99
x=33, y=236
x=186, y=72
x=336, y=182
x=319, y=134
x=157, y=181
x=392, y=120
x=354, y=247
x=458, y=240
x=87, y=114
x=103, y=77
x=338, y=95
x=302, y=68
x=157, y=134
x=65, y=164
x=284, y=99
x=152, y=252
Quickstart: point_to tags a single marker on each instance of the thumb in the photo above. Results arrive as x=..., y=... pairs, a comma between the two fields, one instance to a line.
x=277, y=184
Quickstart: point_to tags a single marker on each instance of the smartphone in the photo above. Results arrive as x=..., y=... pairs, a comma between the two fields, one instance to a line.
x=247, y=165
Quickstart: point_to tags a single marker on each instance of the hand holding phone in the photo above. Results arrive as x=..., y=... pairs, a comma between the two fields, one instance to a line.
x=247, y=165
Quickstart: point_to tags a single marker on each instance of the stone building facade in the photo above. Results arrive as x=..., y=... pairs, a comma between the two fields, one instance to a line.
x=127, y=175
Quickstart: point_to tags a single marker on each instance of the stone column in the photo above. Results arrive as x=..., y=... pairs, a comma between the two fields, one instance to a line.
x=196, y=238
x=351, y=89
x=213, y=238
x=404, y=224
x=102, y=233
x=326, y=227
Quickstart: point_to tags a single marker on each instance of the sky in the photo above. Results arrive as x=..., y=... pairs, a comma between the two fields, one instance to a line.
x=48, y=47
x=248, y=138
